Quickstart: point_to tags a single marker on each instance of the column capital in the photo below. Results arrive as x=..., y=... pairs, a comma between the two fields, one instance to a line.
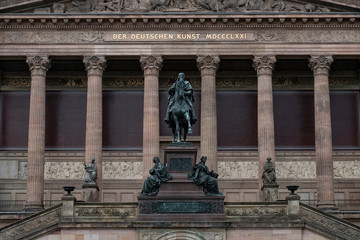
x=151, y=62
x=95, y=65
x=208, y=62
x=38, y=65
x=264, y=65
x=320, y=65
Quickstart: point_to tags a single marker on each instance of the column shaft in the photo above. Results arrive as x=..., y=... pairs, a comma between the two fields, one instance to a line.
x=208, y=141
x=93, y=141
x=323, y=137
x=36, y=140
x=151, y=66
x=266, y=137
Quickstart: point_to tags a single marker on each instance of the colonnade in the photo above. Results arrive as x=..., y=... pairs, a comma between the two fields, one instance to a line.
x=151, y=65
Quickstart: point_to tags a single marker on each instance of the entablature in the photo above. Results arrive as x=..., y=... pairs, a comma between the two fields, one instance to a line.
x=179, y=21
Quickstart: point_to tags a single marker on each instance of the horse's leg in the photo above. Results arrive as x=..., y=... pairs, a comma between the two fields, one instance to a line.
x=174, y=133
x=187, y=117
x=176, y=120
x=185, y=132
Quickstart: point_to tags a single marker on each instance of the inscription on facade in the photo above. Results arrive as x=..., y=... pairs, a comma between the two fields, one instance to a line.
x=187, y=36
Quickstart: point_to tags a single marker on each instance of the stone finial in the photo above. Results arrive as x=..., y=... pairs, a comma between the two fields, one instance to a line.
x=151, y=62
x=264, y=65
x=38, y=65
x=208, y=62
x=320, y=65
x=94, y=65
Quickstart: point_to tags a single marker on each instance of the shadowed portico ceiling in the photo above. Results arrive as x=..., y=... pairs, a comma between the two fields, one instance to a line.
x=182, y=6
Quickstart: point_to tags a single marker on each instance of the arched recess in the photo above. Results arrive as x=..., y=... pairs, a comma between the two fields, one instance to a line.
x=180, y=235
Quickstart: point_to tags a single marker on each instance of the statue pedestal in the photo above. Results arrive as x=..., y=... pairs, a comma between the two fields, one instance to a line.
x=270, y=192
x=90, y=192
x=180, y=159
x=180, y=199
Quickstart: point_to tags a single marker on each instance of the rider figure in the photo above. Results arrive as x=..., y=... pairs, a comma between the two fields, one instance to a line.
x=189, y=98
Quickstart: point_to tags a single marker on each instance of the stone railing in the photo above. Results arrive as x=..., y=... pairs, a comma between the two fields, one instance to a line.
x=325, y=223
x=32, y=226
x=109, y=212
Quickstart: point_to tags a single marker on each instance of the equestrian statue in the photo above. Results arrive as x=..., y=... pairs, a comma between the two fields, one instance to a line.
x=180, y=114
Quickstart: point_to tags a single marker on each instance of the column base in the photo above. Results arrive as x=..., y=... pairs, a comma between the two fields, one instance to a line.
x=34, y=207
x=327, y=205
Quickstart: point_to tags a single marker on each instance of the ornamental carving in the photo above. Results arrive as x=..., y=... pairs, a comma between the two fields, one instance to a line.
x=151, y=62
x=320, y=64
x=236, y=82
x=64, y=170
x=331, y=224
x=19, y=82
x=38, y=65
x=264, y=64
x=105, y=212
x=122, y=170
x=54, y=37
x=167, y=82
x=36, y=223
x=296, y=169
x=161, y=234
x=347, y=169
x=128, y=82
x=208, y=62
x=110, y=170
x=94, y=65
x=192, y=6
x=256, y=211
x=237, y=169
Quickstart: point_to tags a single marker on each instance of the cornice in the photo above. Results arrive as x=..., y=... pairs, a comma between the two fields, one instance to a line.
x=178, y=21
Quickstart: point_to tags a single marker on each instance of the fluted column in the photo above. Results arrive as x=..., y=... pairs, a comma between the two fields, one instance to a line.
x=151, y=66
x=264, y=65
x=36, y=142
x=208, y=66
x=95, y=67
x=323, y=142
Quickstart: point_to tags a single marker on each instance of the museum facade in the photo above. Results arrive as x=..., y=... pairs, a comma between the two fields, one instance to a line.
x=83, y=79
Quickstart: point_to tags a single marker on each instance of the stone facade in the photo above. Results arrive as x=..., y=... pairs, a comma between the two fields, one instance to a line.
x=212, y=37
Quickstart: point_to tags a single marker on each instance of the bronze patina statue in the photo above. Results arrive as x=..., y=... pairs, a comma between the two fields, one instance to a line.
x=180, y=114
x=91, y=172
x=203, y=177
x=159, y=175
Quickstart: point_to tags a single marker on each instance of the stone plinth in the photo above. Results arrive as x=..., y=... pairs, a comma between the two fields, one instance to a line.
x=181, y=208
x=91, y=192
x=270, y=192
x=180, y=159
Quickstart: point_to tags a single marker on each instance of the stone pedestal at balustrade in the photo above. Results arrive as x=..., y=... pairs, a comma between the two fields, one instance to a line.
x=270, y=192
x=90, y=192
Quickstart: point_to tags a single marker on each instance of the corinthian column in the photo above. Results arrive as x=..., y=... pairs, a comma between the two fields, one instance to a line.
x=323, y=142
x=208, y=66
x=264, y=67
x=36, y=142
x=95, y=67
x=151, y=66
